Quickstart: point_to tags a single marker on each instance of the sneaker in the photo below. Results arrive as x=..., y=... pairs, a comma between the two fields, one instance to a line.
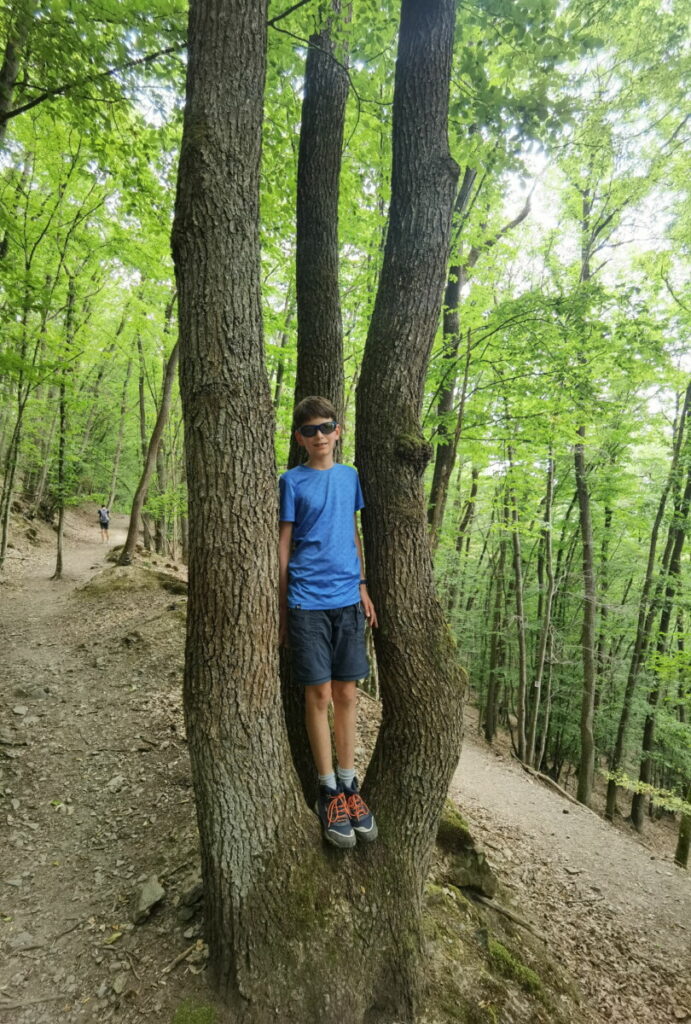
x=332, y=811
x=361, y=818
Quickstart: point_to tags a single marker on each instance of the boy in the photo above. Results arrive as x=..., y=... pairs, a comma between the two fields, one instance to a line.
x=323, y=605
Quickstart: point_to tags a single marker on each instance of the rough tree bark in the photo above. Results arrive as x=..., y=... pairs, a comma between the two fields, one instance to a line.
x=420, y=684
x=274, y=901
x=319, y=369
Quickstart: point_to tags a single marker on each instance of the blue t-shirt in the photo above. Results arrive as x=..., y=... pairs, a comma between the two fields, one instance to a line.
x=324, y=568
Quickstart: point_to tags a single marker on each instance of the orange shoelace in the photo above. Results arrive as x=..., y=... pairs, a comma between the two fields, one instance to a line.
x=337, y=811
x=357, y=808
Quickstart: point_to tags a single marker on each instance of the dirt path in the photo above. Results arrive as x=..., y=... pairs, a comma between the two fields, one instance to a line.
x=95, y=797
x=94, y=785
x=615, y=913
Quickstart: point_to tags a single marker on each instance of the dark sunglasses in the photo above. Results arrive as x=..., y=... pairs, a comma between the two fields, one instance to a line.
x=310, y=430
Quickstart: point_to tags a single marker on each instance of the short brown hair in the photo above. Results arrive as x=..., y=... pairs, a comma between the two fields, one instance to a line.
x=311, y=407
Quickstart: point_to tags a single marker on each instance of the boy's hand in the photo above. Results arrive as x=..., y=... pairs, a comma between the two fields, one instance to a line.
x=368, y=607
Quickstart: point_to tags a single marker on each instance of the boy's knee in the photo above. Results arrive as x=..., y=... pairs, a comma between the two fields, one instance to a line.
x=344, y=694
x=318, y=697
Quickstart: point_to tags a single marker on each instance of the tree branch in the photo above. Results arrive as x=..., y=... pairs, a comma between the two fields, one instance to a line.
x=61, y=90
x=272, y=21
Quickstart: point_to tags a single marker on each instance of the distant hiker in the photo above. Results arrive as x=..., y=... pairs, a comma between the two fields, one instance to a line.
x=323, y=606
x=104, y=520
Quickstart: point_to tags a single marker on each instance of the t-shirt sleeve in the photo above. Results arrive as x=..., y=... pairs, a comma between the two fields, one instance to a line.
x=286, y=510
x=359, y=500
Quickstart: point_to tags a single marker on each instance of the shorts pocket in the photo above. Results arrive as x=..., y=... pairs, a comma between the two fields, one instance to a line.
x=303, y=622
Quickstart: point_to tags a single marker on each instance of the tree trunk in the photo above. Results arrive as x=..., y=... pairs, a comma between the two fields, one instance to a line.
x=150, y=461
x=319, y=369
x=121, y=433
x=603, y=604
x=288, y=311
x=39, y=489
x=17, y=36
x=463, y=543
x=548, y=702
x=12, y=455
x=678, y=529
x=645, y=618
x=320, y=333
x=587, y=759
x=446, y=450
x=421, y=686
x=160, y=522
x=681, y=854
x=272, y=908
x=520, y=617
x=143, y=439
x=546, y=624
x=497, y=649
x=62, y=446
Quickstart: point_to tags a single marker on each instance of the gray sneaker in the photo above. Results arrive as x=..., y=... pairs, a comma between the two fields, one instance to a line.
x=332, y=811
x=361, y=818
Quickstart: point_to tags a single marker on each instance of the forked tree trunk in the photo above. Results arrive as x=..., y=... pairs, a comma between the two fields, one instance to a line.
x=289, y=923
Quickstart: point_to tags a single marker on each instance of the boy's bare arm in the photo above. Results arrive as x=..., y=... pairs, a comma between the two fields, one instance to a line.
x=285, y=539
x=365, y=599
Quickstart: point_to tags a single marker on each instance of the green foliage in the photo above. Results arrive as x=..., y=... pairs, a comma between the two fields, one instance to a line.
x=574, y=315
x=660, y=797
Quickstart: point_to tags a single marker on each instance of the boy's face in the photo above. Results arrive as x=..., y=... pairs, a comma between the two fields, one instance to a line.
x=321, y=445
